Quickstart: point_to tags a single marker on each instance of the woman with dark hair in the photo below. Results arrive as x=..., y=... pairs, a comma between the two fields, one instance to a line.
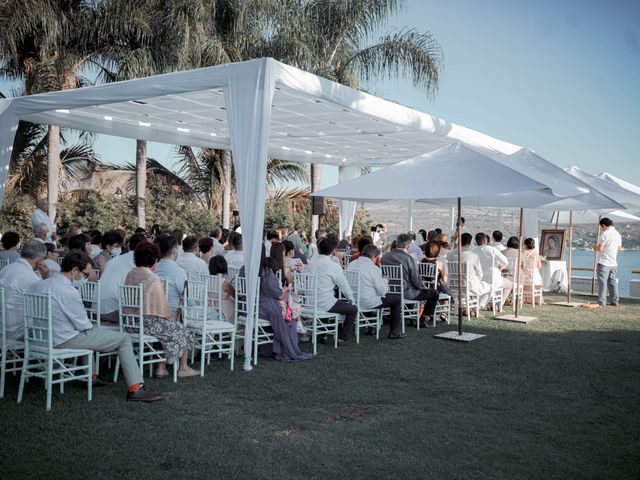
x=278, y=262
x=10, y=242
x=531, y=265
x=432, y=252
x=176, y=340
x=205, y=244
x=218, y=266
x=111, y=247
x=423, y=234
x=511, y=252
x=285, y=338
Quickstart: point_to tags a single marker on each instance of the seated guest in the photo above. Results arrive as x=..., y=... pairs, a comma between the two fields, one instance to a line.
x=111, y=247
x=189, y=261
x=511, y=253
x=313, y=247
x=413, y=287
x=216, y=238
x=159, y=321
x=431, y=255
x=40, y=232
x=531, y=265
x=17, y=277
x=497, y=240
x=290, y=261
x=72, y=329
x=96, y=242
x=273, y=237
x=10, y=242
x=475, y=278
x=277, y=256
x=443, y=241
x=235, y=257
x=179, y=236
x=168, y=269
x=51, y=261
x=345, y=243
x=363, y=242
x=330, y=275
x=414, y=250
x=114, y=274
x=432, y=235
x=495, y=262
x=224, y=238
x=205, y=245
x=423, y=235
x=374, y=290
x=285, y=345
x=294, y=238
x=82, y=242
x=218, y=266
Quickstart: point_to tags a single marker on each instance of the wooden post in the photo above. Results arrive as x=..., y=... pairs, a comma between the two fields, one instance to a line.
x=569, y=263
x=595, y=260
x=459, y=268
x=517, y=276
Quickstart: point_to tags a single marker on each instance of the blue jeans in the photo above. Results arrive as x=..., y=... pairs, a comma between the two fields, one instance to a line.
x=607, y=285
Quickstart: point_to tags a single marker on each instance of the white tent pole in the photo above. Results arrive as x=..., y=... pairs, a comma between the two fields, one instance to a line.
x=410, y=215
x=248, y=98
x=452, y=216
x=459, y=268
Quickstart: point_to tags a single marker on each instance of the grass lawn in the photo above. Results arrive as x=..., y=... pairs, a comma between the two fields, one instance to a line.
x=559, y=398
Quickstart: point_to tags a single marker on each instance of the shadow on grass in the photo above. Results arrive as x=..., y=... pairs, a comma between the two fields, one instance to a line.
x=553, y=399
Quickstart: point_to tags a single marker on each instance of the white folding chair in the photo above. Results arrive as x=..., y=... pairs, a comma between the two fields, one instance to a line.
x=3, y=262
x=410, y=308
x=488, y=273
x=90, y=294
x=60, y=259
x=131, y=312
x=468, y=301
x=346, y=258
x=232, y=273
x=535, y=291
x=41, y=360
x=429, y=274
x=205, y=319
x=367, y=317
x=11, y=351
x=320, y=323
x=262, y=333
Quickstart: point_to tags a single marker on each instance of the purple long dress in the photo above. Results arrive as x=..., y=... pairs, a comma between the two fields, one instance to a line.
x=285, y=338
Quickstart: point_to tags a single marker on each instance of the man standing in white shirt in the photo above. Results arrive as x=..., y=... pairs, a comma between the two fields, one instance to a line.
x=493, y=262
x=330, y=275
x=72, y=329
x=18, y=277
x=235, y=257
x=374, y=290
x=114, y=274
x=189, y=261
x=169, y=270
x=41, y=215
x=216, y=236
x=477, y=286
x=607, y=258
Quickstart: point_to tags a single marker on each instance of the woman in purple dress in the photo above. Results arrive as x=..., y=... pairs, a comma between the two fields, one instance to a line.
x=285, y=337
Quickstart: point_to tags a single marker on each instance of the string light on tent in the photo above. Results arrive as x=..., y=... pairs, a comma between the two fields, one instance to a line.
x=144, y=124
x=62, y=110
x=108, y=118
x=183, y=130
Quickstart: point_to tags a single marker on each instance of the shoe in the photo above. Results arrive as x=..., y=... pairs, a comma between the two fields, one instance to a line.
x=188, y=373
x=612, y=304
x=371, y=330
x=98, y=382
x=397, y=336
x=161, y=373
x=143, y=396
x=344, y=343
x=424, y=322
x=322, y=339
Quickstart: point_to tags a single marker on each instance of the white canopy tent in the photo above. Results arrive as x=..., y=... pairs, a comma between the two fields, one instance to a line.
x=583, y=217
x=256, y=108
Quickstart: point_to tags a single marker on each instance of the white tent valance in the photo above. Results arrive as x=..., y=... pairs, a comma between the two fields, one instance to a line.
x=256, y=108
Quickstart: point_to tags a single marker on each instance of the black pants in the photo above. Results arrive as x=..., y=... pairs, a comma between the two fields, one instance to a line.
x=392, y=302
x=430, y=296
x=350, y=311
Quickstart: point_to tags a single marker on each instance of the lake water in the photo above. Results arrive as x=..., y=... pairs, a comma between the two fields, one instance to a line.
x=627, y=260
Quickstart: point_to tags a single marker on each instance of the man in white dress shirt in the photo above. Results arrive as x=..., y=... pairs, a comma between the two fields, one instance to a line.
x=607, y=258
x=41, y=215
x=374, y=290
x=476, y=285
x=189, y=261
x=18, y=277
x=114, y=274
x=168, y=269
x=493, y=262
x=216, y=236
x=72, y=329
x=497, y=241
x=330, y=275
x=235, y=257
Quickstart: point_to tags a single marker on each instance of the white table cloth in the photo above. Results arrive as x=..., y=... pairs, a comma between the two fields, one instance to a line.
x=554, y=276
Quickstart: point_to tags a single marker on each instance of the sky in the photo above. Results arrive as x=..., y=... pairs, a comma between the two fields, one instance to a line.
x=559, y=77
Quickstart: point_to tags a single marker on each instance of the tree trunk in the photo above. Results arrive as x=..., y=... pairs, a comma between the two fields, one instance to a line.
x=226, y=188
x=316, y=176
x=53, y=169
x=141, y=179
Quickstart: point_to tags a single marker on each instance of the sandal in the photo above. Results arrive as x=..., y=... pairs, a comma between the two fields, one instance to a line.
x=161, y=373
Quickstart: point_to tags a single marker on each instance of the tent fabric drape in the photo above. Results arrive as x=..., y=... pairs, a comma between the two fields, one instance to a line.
x=8, y=129
x=248, y=98
x=347, y=209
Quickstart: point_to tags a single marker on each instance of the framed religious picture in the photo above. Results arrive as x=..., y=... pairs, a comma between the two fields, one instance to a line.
x=552, y=244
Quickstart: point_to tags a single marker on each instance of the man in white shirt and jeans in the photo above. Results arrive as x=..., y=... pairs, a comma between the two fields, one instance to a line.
x=330, y=275
x=607, y=248
x=374, y=289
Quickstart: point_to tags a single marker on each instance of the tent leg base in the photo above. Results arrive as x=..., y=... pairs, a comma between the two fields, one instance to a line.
x=518, y=319
x=464, y=338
